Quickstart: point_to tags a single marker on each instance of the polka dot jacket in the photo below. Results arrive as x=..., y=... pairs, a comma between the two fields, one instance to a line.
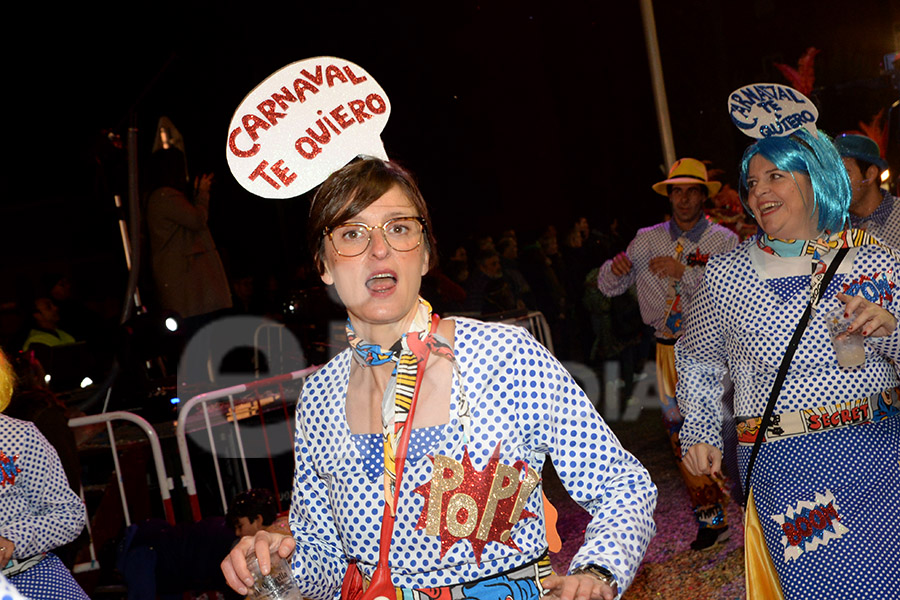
x=742, y=319
x=524, y=405
x=657, y=240
x=38, y=509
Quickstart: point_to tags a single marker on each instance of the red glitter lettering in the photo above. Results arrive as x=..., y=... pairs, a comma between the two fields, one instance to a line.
x=312, y=153
x=301, y=87
x=819, y=519
x=267, y=109
x=251, y=123
x=283, y=174
x=353, y=78
x=831, y=511
x=359, y=110
x=332, y=73
x=260, y=171
x=340, y=117
x=283, y=98
x=803, y=526
x=317, y=78
x=324, y=136
x=232, y=145
x=377, y=108
x=793, y=537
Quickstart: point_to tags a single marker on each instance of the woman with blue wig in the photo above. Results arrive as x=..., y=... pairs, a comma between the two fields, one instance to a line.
x=819, y=443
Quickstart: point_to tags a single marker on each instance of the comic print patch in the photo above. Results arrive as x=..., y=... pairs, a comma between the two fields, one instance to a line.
x=810, y=525
x=877, y=288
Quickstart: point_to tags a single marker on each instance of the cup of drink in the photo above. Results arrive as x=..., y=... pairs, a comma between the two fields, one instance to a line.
x=848, y=345
x=279, y=584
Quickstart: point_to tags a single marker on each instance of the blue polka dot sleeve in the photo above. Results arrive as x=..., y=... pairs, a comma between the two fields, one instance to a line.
x=38, y=509
x=557, y=419
x=318, y=562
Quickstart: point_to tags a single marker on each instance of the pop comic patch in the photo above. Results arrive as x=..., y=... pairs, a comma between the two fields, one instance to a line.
x=462, y=503
x=877, y=288
x=8, y=469
x=810, y=525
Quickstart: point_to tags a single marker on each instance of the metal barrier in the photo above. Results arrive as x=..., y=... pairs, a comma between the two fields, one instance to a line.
x=203, y=399
x=536, y=323
x=165, y=484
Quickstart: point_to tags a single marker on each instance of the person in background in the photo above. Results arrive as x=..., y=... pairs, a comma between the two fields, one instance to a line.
x=45, y=321
x=38, y=509
x=871, y=208
x=189, y=275
x=825, y=482
x=666, y=263
x=255, y=510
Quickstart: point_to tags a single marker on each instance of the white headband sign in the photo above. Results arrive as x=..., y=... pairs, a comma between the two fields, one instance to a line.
x=763, y=110
x=304, y=122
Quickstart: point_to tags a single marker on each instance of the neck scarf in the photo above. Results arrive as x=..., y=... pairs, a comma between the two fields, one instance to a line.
x=406, y=354
x=673, y=321
x=816, y=250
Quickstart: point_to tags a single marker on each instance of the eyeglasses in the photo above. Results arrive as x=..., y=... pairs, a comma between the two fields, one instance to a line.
x=401, y=233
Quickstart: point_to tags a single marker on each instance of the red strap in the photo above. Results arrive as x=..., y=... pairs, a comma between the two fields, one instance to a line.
x=381, y=584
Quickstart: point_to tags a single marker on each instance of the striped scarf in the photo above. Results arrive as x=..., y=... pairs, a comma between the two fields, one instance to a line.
x=406, y=353
x=817, y=249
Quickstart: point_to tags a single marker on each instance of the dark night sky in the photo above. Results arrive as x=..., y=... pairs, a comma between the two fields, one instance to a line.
x=517, y=113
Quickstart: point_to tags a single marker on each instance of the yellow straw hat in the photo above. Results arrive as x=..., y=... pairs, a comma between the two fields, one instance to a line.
x=687, y=171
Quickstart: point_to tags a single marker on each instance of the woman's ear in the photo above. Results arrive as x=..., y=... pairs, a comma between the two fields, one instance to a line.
x=325, y=274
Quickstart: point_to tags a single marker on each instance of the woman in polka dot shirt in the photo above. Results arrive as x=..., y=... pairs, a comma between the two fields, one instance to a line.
x=826, y=481
x=38, y=509
x=493, y=405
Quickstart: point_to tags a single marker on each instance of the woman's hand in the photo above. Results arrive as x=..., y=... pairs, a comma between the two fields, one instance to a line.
x=871, y=319
x=582, y=586
x=6, y=551
x=234, y=567
x=703, y=459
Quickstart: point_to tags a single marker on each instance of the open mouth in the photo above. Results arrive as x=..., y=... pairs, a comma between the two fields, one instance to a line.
x=381, y=282
x=769, y=207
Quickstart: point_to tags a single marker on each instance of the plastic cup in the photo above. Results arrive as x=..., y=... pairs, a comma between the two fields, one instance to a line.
x=848, y=345
x=279, y=584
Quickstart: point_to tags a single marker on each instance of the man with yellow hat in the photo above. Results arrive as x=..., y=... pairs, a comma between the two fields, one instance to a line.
x=665, y=262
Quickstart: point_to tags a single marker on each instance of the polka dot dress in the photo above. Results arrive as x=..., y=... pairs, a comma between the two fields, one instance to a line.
x=521, y=401
x=48, y=580
x=826, y=501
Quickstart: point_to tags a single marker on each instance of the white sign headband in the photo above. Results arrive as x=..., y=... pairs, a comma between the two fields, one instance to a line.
x=304, y=122
x=763, y=110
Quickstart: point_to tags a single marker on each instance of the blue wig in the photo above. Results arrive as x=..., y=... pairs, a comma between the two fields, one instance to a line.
x=816, y=158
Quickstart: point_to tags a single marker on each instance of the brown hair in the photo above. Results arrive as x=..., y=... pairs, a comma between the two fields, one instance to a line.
x=350, y=190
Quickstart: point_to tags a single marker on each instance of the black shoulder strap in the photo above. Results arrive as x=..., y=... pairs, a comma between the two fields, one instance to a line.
x=785, y=362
